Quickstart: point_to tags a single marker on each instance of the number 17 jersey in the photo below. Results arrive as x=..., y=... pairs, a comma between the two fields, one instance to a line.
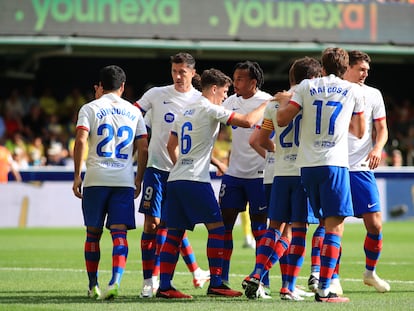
x=327, y=106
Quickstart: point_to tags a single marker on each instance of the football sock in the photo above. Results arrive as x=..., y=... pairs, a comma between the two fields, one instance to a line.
x=148, y=247
x=329, y=257
x=119, y=254
x=265, y=249
x=227, y=251
x=296, y=255
x=187, y=253
x=168, y=257
x=258, y=230
x=372, y=248
x=92, y=256
x=335, y=274
x=215, y=243
x=283, y=264
x=317, y=241
x=160, y=239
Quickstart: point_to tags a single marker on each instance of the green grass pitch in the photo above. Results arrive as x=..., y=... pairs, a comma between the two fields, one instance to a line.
x=43, y=269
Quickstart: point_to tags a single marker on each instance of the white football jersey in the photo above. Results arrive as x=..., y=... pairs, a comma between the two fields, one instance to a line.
x=197, y=127
x=164, y=103
x=286, y=140
x=327, y=106
x=244, y=161
x=113, y=124
x=359, y=148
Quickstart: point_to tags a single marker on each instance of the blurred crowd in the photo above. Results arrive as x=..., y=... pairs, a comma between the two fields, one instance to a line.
x=39, y=130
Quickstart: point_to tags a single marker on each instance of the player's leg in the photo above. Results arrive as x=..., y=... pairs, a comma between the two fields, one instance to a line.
x=92, y=257
x=296, y=255
x=232, y=201
x=168, y=257
x=336, y=286
x=366, y=203
x=328, y=187
x=215, y=246
x=93, y=211
x=121, y=217
x=119, y=258
x=249, y=241
x=317, y=241
x=372, y=248
x=150, y=206
x=199, y=276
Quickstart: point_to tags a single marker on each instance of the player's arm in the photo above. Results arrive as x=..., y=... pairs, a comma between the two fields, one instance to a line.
x=221, y=167
x=78, y=151
x=286, y=113
x=141, y=147
x=254, y=143
x=357, y=125
x=172, y=147
x=247, y=120
x=381, y=138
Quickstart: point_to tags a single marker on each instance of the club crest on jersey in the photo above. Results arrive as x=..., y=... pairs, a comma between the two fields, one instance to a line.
x=169, y=117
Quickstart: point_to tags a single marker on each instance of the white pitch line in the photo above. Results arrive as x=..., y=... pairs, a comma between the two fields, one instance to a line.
x=177, y=272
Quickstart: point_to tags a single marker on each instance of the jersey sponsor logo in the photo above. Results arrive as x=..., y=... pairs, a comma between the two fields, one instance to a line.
x=166, y=102
x=187, y=161
x=372, y=205
x=169, y=117
x=261, y=208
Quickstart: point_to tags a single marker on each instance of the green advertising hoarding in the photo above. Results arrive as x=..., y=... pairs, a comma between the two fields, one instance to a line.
x=368, y=22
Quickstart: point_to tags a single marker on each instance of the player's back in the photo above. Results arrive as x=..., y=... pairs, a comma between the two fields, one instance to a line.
x=327, y=107
x=286, y=141
x=113, y=125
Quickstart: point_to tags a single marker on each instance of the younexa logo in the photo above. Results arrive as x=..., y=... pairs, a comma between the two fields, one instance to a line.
x=292, y=14
x=113, y=11
x=253, y=14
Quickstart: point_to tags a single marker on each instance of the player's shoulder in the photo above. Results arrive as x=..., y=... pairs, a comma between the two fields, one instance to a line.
x=262, y=95
x=157, y=90
x=371, y=90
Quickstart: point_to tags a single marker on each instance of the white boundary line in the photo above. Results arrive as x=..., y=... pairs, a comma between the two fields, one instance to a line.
x=177, y=272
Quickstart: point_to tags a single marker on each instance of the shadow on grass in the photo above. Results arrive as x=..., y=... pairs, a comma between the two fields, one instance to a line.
x=56, y=297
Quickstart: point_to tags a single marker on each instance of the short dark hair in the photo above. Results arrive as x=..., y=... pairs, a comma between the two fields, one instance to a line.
x=112, y=77
x=335, y=61
x=358, y=56
x=304, y=68
x=183, y=58
x=214, y=76
x=254, y=69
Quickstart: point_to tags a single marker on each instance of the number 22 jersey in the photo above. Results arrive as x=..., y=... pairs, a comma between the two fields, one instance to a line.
x=113, y=125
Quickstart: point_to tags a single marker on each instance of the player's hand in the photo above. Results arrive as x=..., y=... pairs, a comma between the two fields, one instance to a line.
x=282, y=97
x=374, y=158
x=77, y=187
